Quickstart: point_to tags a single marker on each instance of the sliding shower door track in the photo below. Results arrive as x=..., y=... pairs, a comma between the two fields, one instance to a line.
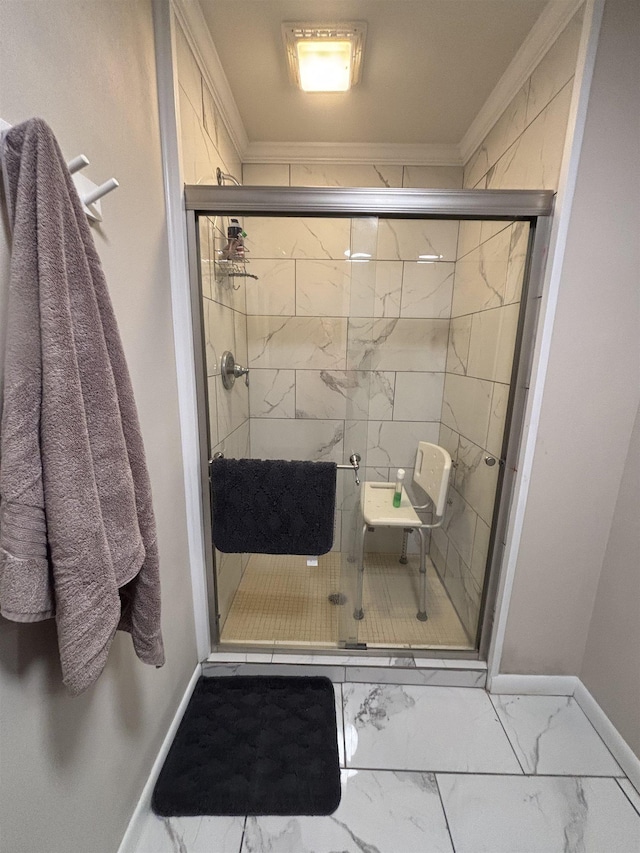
x=364, y=201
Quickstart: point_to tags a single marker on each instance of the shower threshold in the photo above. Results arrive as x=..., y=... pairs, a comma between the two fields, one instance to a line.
x=399, y=666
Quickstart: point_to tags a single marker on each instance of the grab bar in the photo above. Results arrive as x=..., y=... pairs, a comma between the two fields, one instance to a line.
x=354, y=463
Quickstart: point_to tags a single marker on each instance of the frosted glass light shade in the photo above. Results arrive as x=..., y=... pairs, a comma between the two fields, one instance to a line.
x=325, y=66
x=324, y=58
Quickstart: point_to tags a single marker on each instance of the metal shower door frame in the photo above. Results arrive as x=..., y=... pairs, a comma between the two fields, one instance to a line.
x=533, y=206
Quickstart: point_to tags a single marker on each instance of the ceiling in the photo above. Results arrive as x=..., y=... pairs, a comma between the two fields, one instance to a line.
x=429, y=66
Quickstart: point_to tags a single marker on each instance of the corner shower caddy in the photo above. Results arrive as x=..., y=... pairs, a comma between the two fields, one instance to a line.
x=234, y=267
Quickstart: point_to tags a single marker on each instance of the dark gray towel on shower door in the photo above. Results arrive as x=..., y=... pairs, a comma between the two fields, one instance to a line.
x=273, y=507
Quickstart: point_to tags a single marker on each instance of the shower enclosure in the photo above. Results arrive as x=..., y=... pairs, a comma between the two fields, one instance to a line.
x=350, y=324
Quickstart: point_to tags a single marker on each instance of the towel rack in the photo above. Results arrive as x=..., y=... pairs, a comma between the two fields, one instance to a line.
x=354, y=463
x=90, y=193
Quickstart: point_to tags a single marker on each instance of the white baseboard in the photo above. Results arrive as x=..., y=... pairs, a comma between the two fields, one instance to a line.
x=619, y=748
x=132, y=835
x=533, y=685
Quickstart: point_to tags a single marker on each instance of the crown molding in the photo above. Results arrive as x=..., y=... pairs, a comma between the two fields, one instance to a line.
x=353, y=152
x=554, y=18
x=193, y=23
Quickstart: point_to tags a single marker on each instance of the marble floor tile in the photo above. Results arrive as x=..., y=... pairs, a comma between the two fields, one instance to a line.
x=551, y=735
x=190, y=834
x=380, y=812
x=452, y=729
x=538, y=814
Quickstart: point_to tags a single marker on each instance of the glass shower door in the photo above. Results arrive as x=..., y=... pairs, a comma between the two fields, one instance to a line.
x=285, y=313
x=401, y=285
x=365, y=335
x=435, y=313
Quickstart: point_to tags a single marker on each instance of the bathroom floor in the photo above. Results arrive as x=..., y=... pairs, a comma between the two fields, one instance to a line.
x=448, y=769
x=282, y=600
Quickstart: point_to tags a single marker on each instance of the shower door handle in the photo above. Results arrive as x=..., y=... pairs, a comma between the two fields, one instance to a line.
x=491, y=461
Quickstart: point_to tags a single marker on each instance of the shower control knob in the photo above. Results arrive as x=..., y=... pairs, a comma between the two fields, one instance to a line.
x=490, y=461
x=230, y=370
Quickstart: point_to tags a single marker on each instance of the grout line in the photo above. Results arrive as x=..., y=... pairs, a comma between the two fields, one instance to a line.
x=493, y=705
x=491, y=773
x=444, y=811
x=244, y=829
x=344, y=726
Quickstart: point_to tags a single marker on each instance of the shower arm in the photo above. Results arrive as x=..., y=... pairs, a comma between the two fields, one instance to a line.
x=223, y=178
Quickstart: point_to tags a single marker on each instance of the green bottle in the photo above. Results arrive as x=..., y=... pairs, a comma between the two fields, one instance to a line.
x=397, y=495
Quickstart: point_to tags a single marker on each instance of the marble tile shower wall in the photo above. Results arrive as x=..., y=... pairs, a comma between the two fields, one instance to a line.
x=204, y=140
x=351, y=175
x=388, y=288
x=484, y=318
x=225, y=328
x=524, y=148
x=345, y=351
x=522, y=151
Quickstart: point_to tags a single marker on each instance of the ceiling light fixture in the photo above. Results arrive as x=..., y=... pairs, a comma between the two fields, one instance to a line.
x=324, y=58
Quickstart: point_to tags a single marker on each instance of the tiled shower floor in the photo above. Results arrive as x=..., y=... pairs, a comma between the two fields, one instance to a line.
x=282, y=600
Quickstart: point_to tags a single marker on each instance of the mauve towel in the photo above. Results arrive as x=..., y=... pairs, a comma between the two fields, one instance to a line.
x=77, y=531
x=273, y=507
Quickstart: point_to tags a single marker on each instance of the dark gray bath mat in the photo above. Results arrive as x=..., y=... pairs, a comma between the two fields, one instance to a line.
x=256, y=746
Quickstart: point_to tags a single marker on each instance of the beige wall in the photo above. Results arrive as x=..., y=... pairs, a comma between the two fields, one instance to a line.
x=591, y=392
x=611, y=665
x=73, y=769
